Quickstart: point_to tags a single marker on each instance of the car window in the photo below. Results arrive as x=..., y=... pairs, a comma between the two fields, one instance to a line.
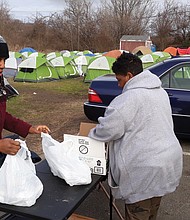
x=165, y=80
x=178, y=77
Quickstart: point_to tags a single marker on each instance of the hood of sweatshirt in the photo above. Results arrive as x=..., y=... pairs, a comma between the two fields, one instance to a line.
x=145, y=79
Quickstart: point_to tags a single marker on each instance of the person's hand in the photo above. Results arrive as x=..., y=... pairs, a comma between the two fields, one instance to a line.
x=38, y=129
x=9, y=146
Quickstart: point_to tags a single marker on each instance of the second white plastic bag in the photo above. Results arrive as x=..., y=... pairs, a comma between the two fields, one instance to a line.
x=64, y=162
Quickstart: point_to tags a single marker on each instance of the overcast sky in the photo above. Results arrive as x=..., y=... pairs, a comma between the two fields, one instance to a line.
x=23, y=9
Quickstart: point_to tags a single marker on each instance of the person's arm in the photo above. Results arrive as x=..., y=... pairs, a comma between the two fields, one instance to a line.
x=110, y=127
x=117, y=120
x=21, y=127
x=16, y=125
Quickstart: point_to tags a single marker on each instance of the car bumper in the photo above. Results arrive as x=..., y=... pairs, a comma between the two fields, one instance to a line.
x=94, y=111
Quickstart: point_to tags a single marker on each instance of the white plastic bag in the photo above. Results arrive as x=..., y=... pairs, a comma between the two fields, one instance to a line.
x=64, y=161
x=19, y=184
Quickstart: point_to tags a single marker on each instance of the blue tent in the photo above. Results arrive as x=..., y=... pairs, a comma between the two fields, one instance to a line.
x=89, y=55
x=27, y=49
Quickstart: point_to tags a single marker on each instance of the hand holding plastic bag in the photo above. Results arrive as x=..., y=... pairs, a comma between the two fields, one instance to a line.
x=19, y=184
x=64, y=161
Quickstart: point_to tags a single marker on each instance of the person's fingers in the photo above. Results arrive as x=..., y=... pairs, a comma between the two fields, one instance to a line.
x=44, y=129
x=13, y=153
x=16, y=143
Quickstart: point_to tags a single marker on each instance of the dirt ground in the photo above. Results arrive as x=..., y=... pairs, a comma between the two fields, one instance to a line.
x=64, y=119
x=62, y=113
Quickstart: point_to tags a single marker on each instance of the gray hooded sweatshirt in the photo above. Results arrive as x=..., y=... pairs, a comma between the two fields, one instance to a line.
x=145, y=157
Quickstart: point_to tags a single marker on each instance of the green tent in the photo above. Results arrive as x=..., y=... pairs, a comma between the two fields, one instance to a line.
x=37, y=54
x=162, y=55
x=99, y=66
x=15, y=54
x=82, y=63
x=80, y=53
x=71, y=70
x=64, y=66
x=153, y=58
x=52, y=55
x=35, y=69
x=149, y=60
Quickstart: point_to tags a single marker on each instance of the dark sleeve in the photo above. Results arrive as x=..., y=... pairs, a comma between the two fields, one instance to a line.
x=16, y=125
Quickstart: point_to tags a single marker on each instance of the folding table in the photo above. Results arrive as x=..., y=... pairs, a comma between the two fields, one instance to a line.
x=58, y=200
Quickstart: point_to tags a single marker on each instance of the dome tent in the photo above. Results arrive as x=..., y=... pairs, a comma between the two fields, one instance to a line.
x=141, y=50
x=99, y=66
x=35, y=69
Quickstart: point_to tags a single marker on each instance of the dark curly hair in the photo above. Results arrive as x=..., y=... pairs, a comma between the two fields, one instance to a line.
x=127, y=62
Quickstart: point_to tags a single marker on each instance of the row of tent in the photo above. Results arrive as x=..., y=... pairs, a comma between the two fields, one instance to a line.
x=33, y=66
x=38, y=67
x=174, y=51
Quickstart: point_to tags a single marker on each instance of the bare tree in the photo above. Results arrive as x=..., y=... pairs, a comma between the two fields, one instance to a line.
x=163, y=25
x=4, y=18
x=60, y=32
x=79, y=17
x=127, y=17
x=10, y=27
x=80, y=26
x=103, y=37
x=182, y=25
x=38, y=33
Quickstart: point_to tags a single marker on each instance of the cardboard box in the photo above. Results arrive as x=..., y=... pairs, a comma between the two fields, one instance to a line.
x=93, y=152
x=85, y=128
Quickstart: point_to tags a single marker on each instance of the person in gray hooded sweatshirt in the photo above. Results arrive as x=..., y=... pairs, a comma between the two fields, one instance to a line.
x=145, y=157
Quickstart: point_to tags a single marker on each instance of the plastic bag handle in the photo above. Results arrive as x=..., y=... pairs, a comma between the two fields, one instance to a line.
x=23, y=151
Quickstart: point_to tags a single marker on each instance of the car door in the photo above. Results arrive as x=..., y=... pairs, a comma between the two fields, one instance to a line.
x=176, y=82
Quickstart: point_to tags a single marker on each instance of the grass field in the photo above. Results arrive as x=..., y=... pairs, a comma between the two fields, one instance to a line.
x=19, y=105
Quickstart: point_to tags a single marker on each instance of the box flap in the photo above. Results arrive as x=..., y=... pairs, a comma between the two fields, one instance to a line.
x=85, y=128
